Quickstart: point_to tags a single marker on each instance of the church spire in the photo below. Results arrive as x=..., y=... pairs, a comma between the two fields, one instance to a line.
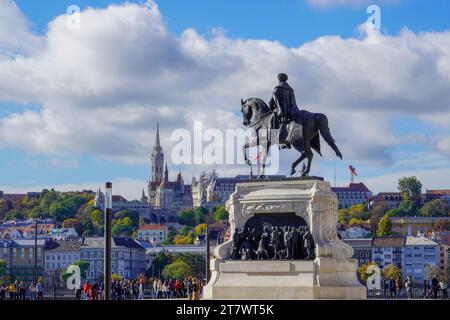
x=157, y=143
x=166, y=173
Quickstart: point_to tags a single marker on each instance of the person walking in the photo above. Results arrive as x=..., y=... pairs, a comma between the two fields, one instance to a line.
x=443, y=286
x=409, y=286
x=141, y=289
x=434, y=286
x=40, y=291
x=86, y=290
x=398, y=287
x=196, y=288
x=392, y=289
x=32, y=290
x=12, y=291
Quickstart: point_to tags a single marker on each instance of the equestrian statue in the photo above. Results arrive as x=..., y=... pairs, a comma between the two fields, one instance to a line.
x=283, y=123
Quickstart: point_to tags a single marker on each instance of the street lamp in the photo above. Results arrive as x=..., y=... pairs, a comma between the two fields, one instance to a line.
x=207, y=254
x=107, y=235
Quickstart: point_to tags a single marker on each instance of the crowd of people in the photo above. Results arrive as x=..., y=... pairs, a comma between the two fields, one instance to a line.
x=122, y=289
x=190, y=288
x=434, y=286
x=19, y=290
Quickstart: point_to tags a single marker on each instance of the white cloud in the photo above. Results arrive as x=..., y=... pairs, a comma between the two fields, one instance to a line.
x=326, y=4
x=103, y=87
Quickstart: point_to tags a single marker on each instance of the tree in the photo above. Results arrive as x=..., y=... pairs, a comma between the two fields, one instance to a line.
x=410, y=188
x=436, y=208
x=200, y=229
x=392, y=272
x=431, y=272
x=221, y=214
x=362, y=271
x=358, y=211
x=441, y=225
x=355, y=222
x=199, y=215
x=171, y=233
x=384, y=227
x=82, y=264
x=376, y=213
x=97, y=217
x=343, y=216
x=177, y=270
x=3, y=269
x=186, y=217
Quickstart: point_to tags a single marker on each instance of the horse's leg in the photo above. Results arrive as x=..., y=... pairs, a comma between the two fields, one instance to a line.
x=309, y=155
x=265, y=151
x=296, y=162
x=244, y=150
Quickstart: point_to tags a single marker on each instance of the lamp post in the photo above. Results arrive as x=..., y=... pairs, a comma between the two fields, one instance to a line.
x=107, y=235
x=207, y=254
x=35, y=250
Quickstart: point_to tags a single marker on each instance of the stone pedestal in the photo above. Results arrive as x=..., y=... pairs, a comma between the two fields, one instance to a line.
x=331, y=275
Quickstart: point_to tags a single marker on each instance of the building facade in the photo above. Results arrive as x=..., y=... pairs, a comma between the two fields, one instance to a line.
x=355, y=193
x=20, y=259
x=153, y=233
x=61, y=254
x=127, y=257
x=388, y=250
x=413, y=226
x=420, y=253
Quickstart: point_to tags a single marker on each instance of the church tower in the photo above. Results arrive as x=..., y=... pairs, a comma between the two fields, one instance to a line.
x=157, y=159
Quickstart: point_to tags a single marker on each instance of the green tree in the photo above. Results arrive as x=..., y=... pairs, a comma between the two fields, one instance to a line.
x=410, y=188
x=376, y=213
x=221, y=214
x=84, y=267
x=358, y=211
x=436, y=208
x=355, y=222
x=171, y=233
x=405, y=208
x=177, y=270
x=2, y=268
x=97, y=217
x=384, y=227
x=200, y=229
x=362, y=271
x=186, y=217
x=392, y=272
x=343, y=216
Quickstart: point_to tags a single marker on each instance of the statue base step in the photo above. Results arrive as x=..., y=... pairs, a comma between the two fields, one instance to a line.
x=322, y=278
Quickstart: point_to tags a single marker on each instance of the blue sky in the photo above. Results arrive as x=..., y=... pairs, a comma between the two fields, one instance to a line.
x=292, y=23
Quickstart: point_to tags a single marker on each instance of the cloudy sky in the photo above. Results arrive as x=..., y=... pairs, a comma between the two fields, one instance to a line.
x=78, y=106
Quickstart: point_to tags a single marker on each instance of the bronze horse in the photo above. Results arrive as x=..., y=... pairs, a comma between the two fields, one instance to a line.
x=303, y=132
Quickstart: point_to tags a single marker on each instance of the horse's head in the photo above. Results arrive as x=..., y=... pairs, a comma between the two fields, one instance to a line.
x=247, y=112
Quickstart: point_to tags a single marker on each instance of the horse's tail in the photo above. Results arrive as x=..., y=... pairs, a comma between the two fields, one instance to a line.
x=324, y=129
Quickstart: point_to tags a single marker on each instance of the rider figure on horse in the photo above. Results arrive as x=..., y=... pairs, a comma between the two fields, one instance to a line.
x=283, y=104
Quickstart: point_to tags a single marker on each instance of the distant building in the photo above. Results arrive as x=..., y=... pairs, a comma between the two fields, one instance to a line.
x=355, y=233
x=420, y=253
x=163, y=193
x=211, y=190
x=153, y=233
x=392, y=199
x=19, y=257
x=415, y=225
x=127, y=258
x=362, y=249
x=17, y=197
x=355, y=193
x=388, y=250
x=59, y=255
x=437, y=194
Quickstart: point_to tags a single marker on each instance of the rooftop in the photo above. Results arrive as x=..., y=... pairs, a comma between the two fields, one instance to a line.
x=153, y=227
x=389, y=241
x=420, y=241
x=361, y=187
